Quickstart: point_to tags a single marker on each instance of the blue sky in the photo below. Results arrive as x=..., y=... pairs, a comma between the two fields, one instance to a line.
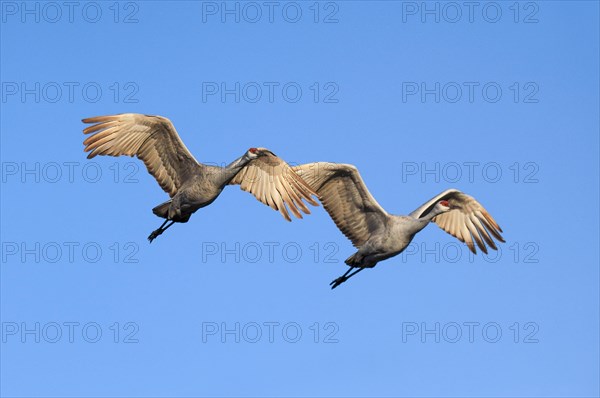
x=500, y=101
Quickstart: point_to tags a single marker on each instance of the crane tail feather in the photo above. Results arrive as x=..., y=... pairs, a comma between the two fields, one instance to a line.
x=162, y=210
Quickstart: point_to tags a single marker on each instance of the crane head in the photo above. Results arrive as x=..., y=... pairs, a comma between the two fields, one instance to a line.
x=440, y=207
x=443, y=206
x=253, y=153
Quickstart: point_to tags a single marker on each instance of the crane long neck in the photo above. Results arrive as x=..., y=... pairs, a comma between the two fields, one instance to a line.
x=233, y=168
x=428, y=217
x=415, y=223
x=435, y=211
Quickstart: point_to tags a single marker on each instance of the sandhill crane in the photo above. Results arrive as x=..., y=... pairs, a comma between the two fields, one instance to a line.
x=379, y=235
x=190, y=184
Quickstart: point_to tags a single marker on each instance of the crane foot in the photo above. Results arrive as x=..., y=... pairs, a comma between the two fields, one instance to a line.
x=154, y=234
x=336, y=282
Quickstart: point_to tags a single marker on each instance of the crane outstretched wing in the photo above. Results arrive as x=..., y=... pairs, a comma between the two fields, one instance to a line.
x=273, y=182
x=467, y=220
x=346, y=198
x=153, y=139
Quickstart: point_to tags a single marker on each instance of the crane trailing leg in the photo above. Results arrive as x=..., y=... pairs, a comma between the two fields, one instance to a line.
x=336, y=282
x=171, y=212
x=160, y=230
x=363, y=258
